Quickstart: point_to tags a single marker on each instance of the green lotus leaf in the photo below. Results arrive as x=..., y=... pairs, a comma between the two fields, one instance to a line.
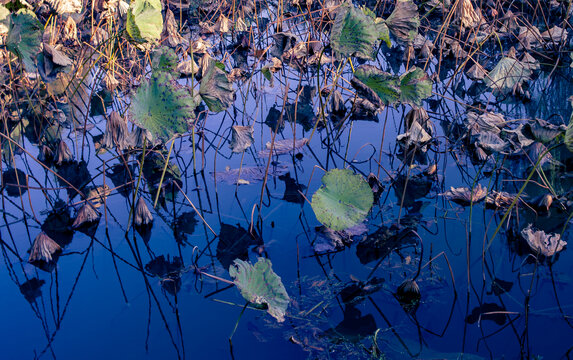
x=259, y=284
x=415, y=85
x=24, y=37
x=381, y=27
x=343, y=201
x=164, y=59
x=404, y=21
x=144, y=20
x=353, y=33
x=382, y=88
x=384, y=33
x=162, y=107
x=216, y=89
x=507, y=74
x=384, y=85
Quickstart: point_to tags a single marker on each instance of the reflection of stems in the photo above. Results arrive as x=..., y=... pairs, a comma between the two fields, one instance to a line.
x=163, y=173
x=514, y=202
x=194, y=208
x=235, y=328
x=392, y=328
x=138, y=180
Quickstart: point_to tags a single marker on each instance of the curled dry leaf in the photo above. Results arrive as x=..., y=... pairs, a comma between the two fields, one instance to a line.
x=419, y=115
x=242, y=137
x=63, y=153
x=248, y=174
x=542, y=243
x=476, y=72
x=187, y=67
x=467, y=15
x=170, y=35
x=142, y=214
x=330, y=240
x=57, y=56
x=97, y=196
x=529, y=38
x=539, y=152
x=43, y=249
x=491, y=142
x=116, y=133
x=499, y=199
x=543, y=131
x=110, y=82
x=485, y=122
x=466, y=196
x=66, y=6
x=86, y=214
x=404, y=21
x=555, y=35
x=415, y=136
x=283, y=146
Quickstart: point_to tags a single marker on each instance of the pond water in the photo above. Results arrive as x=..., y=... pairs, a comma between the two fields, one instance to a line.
x=121, y=292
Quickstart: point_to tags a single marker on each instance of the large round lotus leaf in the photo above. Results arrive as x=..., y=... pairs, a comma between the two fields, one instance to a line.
x=343, y=201
x=353, y=33
x=259, y=284
x=24, y=37
x=162, y=107
x=144, y=20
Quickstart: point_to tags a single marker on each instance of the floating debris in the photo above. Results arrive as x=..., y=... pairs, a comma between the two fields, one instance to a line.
x=541, y=242
x=466, y=196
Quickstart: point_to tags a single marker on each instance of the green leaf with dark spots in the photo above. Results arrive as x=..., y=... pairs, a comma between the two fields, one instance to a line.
x=385, y=86
x=164, y=59
x=415, y=86
x=382, y=88
x=162, y=107
x=353, y=33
